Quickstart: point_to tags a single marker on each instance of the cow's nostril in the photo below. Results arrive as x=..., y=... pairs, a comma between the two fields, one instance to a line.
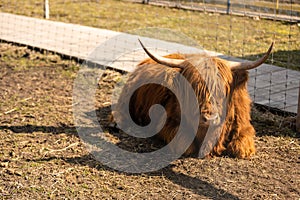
x=211, y=117
x=214, y=118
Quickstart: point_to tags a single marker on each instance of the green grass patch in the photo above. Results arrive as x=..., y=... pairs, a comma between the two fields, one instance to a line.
x=230, y=35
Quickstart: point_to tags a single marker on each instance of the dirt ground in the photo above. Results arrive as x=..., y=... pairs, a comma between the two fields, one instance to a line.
x=42, y=157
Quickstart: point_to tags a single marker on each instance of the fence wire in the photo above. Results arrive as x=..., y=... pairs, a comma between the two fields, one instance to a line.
x=278, y=10
x=240, y=29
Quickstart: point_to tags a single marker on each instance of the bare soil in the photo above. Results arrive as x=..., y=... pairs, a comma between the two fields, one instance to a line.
x=42, y=157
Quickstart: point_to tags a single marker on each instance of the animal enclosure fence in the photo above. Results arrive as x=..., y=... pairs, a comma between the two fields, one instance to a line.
x=275, y=10
x=245, y=37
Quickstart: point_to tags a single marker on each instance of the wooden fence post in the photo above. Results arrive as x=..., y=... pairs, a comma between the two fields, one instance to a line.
x=46, y=9
x=298, y=112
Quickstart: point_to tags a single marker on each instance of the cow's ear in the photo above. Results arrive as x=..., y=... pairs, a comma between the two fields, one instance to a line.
x=240, y=77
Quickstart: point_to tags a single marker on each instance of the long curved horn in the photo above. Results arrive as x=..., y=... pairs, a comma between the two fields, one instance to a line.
x=251, y=64
x=162, y=60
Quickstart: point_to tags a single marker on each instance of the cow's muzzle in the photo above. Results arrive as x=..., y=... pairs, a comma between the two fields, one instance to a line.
x=212, y=119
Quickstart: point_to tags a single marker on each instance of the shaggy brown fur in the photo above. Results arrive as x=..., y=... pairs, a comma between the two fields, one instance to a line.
x=215, y=77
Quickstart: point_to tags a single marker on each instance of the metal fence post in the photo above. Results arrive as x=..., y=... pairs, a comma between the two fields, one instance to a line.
x=228, y=7
x=298, y=112
x=46, y=9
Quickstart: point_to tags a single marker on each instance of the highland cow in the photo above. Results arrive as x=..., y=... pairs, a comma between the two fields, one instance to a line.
x=211, y=78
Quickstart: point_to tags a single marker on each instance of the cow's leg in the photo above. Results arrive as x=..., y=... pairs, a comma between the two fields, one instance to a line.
x=242, y=142
x=241, y=139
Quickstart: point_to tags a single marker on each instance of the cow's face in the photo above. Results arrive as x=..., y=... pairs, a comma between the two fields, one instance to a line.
x=213, y=79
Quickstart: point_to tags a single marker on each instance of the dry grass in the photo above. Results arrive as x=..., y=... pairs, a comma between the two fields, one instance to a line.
x=42, y=157
x=231, y=35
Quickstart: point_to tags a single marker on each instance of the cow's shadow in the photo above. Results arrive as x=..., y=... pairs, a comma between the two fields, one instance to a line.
x=126, y=142
x=196, y=185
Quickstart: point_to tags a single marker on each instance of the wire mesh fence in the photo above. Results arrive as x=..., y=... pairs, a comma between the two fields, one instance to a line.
x=233, y=28
x=279, y=10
